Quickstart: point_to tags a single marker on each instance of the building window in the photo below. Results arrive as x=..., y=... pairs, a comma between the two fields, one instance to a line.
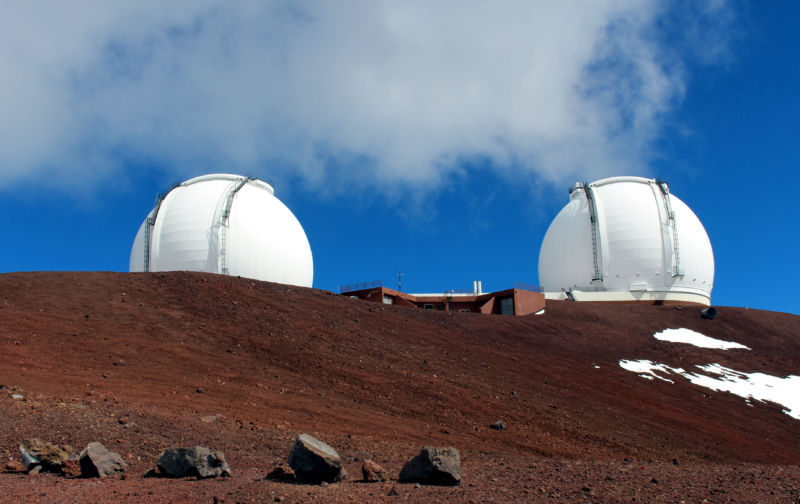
x=387, y=299
x=427, y=306
x=464, y=310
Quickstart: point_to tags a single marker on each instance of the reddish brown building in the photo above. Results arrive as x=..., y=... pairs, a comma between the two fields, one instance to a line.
x=505, y=302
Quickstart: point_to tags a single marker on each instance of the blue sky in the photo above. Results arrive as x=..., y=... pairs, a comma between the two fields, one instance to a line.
x=439, y=141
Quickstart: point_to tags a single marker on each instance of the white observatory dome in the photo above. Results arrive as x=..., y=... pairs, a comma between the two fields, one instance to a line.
x=626, y=239
x=226, y=224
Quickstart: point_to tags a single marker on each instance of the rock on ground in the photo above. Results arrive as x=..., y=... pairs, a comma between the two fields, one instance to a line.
x=433, y=466
x=48, y=456
x=97, y=462
x=372, y=472
x=282, y=473
x=195, y=461
x=314, y=461
x=14, y=466
x=498, y=425
x=71, y=468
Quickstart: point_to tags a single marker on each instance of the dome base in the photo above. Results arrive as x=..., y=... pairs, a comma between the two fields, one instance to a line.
x=631, y=297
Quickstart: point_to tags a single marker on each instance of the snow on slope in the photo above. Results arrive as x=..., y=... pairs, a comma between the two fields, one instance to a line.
x=695, y=338
x=756, y=386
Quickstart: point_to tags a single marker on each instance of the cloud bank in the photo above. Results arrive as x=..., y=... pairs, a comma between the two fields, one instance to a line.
x=382, y=93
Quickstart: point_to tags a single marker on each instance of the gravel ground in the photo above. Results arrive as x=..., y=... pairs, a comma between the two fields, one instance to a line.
x=141, y=362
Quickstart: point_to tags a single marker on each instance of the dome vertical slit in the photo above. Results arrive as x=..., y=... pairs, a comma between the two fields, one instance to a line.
x=224, y=224
x=148, y=230
x=594, y=224
x=676, y=268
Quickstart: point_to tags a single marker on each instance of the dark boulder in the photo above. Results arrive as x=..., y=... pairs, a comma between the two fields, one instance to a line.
x=195, y=461
x=314, y=461
x=433, y=466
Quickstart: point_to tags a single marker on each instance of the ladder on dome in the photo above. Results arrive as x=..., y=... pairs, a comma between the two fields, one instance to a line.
x=223, y=263
x=597, y=277
x=676, y=267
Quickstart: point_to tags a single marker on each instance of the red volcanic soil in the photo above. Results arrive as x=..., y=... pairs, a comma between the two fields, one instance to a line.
x=136, y=360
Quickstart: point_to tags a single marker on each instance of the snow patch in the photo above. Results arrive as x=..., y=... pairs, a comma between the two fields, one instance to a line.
x=751, y=386
x=695, y=338
x=758, y=386
x=648, y=369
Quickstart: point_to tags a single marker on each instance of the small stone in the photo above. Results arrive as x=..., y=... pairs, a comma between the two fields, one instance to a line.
x=35, y=470
x=200, y=390
x=675, y=461
x=120, y=363
x=498, y=425
x=17, y=396
x=282, y=473
x=14, y=466
x=208, y=419
x=71, y=468
x=372, y=472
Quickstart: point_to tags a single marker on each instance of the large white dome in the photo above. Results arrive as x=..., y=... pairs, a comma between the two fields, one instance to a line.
x=626, y=238
x=225, y=224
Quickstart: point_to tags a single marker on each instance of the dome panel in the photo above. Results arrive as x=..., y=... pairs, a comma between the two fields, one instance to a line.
x=251, y=254
x=567, y=267
x=631, y=239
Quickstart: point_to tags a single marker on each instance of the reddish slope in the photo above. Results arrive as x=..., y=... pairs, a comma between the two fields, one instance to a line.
x=379, y=381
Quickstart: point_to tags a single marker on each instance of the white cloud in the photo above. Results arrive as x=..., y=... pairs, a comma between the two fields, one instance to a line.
x=369, y=92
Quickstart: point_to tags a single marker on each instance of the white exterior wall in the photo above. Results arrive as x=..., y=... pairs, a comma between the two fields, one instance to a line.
x=262, y=238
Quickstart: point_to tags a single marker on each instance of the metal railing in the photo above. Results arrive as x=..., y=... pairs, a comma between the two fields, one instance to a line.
x=527, y=287
x=360, y=286
x=459, y=291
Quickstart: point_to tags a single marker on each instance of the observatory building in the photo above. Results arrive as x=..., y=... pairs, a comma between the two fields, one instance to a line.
x=626, y=239
x=226, y=224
